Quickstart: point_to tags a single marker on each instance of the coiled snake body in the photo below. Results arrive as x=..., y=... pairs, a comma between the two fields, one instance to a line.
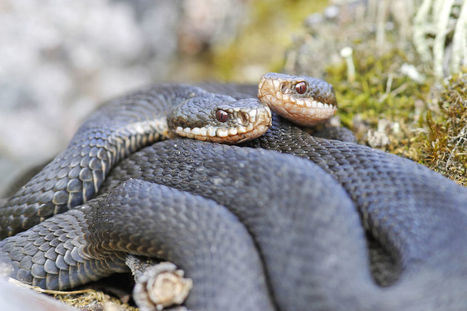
x=308, y=250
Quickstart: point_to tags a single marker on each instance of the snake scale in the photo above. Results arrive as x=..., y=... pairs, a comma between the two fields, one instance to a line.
x=255, y=229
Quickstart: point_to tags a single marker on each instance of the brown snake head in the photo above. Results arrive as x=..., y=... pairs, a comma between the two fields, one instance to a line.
x=303, y=100
x=220, y=119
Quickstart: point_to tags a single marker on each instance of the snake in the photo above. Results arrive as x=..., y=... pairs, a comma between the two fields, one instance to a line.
x=119, y=128
x=310, y=221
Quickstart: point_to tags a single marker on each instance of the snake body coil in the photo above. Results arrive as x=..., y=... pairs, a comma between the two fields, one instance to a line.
x=306, y=229
x=111, y=133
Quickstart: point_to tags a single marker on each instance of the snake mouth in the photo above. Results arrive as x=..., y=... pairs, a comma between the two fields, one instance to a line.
x=247, y=124
x=304, y=101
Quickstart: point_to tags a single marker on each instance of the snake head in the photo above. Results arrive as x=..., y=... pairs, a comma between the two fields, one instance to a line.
x=219, y=118
x=301, y=99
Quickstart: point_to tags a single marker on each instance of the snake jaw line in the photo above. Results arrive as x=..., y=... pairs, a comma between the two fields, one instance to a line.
x=220, y=118
x=279, y=91
x=247, y=125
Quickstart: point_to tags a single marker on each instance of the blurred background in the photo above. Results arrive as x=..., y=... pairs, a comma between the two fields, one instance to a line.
x=388, y=60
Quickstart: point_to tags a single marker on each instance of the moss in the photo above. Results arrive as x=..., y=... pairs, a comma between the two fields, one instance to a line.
x=379, y=90
x=443, y=146
x=94, y=300
x=416, y=127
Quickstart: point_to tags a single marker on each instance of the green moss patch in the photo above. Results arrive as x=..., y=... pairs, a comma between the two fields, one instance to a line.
x=424, y=121
x=443, y=144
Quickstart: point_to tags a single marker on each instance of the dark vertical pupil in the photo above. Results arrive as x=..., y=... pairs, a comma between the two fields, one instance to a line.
x=300, y=87
x=222, y=116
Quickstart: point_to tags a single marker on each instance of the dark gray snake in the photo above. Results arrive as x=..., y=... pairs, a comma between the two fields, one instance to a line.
x=309, y=249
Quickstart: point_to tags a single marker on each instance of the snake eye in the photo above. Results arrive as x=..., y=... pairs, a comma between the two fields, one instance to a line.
x=222, y=116
x=301, y=87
